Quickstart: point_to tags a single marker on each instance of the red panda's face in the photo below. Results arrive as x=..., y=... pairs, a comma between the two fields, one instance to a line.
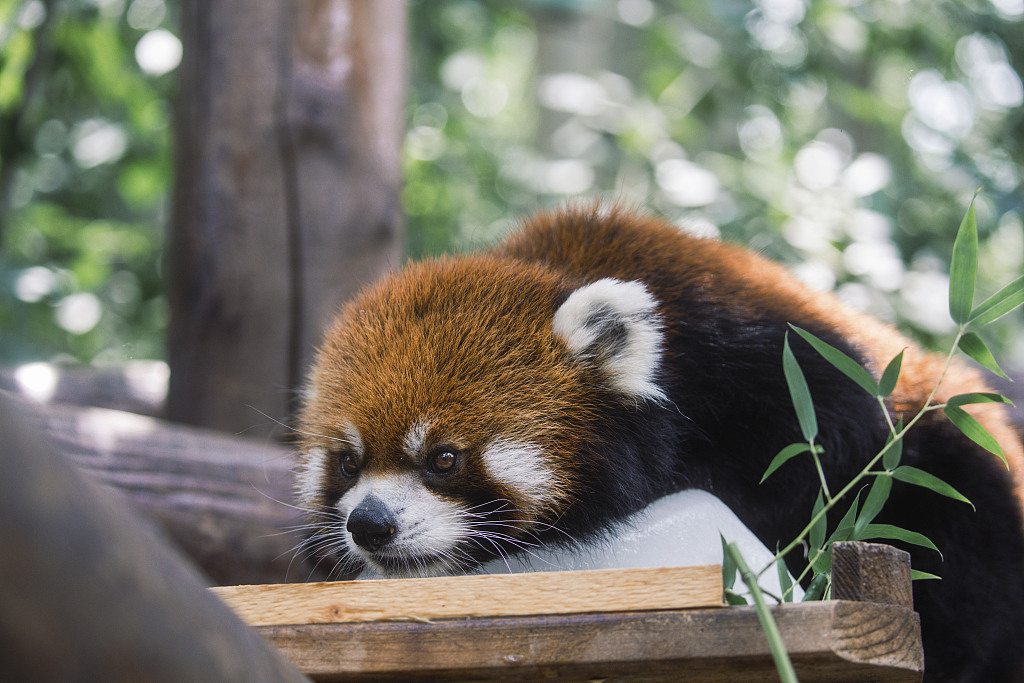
x=448, y=409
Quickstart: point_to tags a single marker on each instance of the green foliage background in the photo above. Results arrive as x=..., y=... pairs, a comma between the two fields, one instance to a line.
x=846, y=137
x=84, y=176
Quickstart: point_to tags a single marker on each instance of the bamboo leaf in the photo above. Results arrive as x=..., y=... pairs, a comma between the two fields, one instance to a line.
x=799, y=392
x=790, y=451
x=728, y=567
x=918, y=575
x=816, y=589
x=841, y=362
x=845, y=527
x=912, y=475
x=733, y=598
x=822, y=562
x=963, y=268
x=817, y=535
x=890, y=532
x=785, y=580
x=966, y=399
x=893, y=450
x=973, y=346
x=873, y=504
x=999, y=304
x=887, y=383
x=973, y=430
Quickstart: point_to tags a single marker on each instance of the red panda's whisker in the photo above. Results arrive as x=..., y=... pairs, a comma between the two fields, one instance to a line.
x=296, y=430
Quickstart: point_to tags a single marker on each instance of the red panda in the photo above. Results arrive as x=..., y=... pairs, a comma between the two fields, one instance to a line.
x=468, y=407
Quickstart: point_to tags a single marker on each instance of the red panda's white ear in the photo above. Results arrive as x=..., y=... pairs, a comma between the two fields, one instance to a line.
x=614, y=324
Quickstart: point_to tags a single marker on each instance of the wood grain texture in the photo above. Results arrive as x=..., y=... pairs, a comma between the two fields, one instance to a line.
x=833, y=641
x=603, y=590
x=871, y=572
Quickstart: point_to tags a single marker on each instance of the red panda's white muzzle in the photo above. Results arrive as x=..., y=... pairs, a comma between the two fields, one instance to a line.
x=400, y=528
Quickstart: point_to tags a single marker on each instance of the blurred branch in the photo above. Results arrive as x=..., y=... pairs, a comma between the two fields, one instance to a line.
x=221, y=499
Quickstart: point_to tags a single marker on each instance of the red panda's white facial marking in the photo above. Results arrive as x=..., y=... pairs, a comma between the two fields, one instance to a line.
x=416, y=437
x=310, y=476
x=523, y=468
x=616, y=323
x=352, y=438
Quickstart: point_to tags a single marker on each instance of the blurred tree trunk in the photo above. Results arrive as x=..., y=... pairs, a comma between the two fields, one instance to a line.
x=289, y=124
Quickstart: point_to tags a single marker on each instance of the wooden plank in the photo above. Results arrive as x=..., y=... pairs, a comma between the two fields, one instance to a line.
x=600, y=590
x=832, y=641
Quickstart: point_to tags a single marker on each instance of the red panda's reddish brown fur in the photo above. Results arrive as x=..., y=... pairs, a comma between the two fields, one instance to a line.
x=384, y=371
x=739, y=279
x=469, y=407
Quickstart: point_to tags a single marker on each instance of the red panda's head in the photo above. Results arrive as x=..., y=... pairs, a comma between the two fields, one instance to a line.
x=448, y=411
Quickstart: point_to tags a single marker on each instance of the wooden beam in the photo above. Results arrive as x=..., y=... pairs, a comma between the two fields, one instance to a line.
x=601, y=590
x=832, y=641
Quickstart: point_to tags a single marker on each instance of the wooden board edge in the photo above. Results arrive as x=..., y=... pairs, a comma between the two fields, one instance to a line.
x=824, y=639
x=427, y=599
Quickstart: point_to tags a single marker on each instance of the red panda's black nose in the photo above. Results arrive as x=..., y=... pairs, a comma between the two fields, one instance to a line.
x=371, y=524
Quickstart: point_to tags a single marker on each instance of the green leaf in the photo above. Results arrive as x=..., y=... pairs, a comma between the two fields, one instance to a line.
x=790, y=451
x=873, y=504
x=888, y=531
x=841, y=361
x=733, y=598
x=785, y=580
x=912, y=475
x=728, y=567
x=817, y=535
x=966, y=399
x=973, y=346
x=845, y=527
x=999, y=304
x=918, y=575
x=893, y=450
x=887, y=383
x=799, y=392
x=822, y=562
x=973, y=430
x=963, y=268
x=816, y=590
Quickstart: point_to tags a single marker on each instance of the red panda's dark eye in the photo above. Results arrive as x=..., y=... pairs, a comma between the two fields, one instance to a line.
x=350, y=463
x=443, y=460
